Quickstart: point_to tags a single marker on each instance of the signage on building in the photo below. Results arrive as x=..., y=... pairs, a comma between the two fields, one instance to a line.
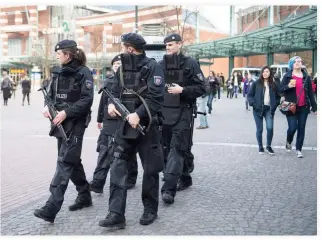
x=116, y=39
x=17, y=71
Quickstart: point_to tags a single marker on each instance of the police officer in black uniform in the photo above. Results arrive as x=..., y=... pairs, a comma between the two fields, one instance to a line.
x=140, y=86
x=105, y=142
x=184, y=84
x=71, y=90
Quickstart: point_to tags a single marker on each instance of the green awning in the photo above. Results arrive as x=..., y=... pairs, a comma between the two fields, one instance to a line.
x=294, y=34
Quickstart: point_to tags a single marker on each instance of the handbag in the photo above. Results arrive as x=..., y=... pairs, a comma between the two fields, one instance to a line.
x=289, y=108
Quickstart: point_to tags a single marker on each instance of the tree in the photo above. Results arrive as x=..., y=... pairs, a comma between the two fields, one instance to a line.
x=97, y=48
x=42, y=55
x=180, y=27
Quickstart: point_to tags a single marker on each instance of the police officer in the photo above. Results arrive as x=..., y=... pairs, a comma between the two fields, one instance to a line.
x=71, y=90
x=105, y=141
x=184, y=83
x=139, y=84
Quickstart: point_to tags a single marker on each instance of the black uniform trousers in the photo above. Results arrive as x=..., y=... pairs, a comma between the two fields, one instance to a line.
x=69, y=166
x=176, y=139
x=105, y=155
x=151, y=155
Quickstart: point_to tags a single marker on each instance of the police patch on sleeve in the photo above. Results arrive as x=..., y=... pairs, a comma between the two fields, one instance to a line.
x=157, y=80
x=88, y=84
x=199, y=75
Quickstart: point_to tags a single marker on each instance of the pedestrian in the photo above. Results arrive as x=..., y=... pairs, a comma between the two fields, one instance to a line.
x=236, y=83
x=139, y=84
x=230, y=87
x=108, y=125
x=202, y=105
x=26, y=86
x=212, y=91
x=184, y=84
x=222, y=81
x=71, y=90
x=247, y=85
x=13, y=88
x=219, y=82
x=264, y=99
x=296, y=87
x=6, y=86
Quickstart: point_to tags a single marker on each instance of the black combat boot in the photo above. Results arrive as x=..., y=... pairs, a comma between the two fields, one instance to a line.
x=81, y=202
x=113, y=220
x=167, y=197
x=94, y=187
x=148, y=217
x=46, y=213
x=182, y=185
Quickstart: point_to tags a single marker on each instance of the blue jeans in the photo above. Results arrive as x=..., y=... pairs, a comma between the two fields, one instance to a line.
x=297, y=122
x=259, y=126
x=202, y=108
x=209, y=102
x=235, y=91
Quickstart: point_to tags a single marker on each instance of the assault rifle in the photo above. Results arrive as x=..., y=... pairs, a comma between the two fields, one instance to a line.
x=53, y=113
x=120, y=107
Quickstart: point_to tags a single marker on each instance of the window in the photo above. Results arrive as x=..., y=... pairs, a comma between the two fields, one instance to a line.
x=14, y=47
x=24, y=18
x=11, y=19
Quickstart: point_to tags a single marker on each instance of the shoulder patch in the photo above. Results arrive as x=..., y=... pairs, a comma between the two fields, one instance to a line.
x=157, y=80
x=199, y=75
x=88, y=84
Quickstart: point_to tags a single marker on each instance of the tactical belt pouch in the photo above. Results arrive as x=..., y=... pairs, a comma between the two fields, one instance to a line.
x=171, y=100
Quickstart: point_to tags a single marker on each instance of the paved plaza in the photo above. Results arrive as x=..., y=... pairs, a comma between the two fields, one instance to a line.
x=235, y=190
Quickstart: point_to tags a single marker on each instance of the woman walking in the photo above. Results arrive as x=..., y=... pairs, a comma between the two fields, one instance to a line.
x=264, y=99
x=6, y=87
x=213, y=85
x=296, y=87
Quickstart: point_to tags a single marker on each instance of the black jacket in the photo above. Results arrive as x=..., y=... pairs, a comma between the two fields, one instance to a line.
x=290, y=93
x=256, y=97
x=104, y=98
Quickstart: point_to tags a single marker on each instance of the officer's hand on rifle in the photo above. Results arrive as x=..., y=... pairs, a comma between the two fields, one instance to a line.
x=99, y=125
x=60, y=117
x=176, y=89
x=133, y=119
x=112, y=110
x=46, y=113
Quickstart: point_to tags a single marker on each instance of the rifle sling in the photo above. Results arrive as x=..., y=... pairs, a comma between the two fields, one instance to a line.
x=141, y=98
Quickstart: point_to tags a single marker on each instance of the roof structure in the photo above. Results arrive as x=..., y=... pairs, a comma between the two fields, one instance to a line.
x=298, y=33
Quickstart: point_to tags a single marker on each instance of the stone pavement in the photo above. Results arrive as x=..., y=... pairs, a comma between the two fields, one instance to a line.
x=235, y=191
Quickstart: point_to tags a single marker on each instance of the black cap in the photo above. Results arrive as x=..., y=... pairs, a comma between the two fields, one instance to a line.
x=172, y=37
x=65, y=44
x=134, y=39
x=116, y=58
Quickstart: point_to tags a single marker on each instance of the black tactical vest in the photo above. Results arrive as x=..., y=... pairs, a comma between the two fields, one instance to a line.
x=67, y=87
x=173, y=74
x=134, y=80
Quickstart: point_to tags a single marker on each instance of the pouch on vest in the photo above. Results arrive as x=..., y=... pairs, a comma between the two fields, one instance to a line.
x=171, y=100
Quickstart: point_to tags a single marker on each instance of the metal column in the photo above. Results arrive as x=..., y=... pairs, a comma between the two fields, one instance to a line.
x=136, y=18
x=314, y=61
x=231, y=64
x=232, y=20
x=270, y=59
x=271, y=15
